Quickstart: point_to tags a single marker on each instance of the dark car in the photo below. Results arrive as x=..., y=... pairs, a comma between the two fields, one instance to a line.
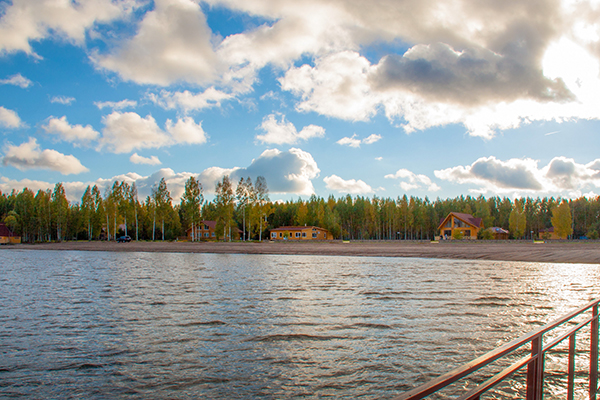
x=123, y=239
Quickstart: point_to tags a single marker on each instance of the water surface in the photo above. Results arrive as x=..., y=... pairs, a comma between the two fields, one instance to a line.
x=162, y=325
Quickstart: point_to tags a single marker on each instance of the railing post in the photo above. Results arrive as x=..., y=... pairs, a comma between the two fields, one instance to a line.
x=594, y=353
x=535, y=370
x=571, y=379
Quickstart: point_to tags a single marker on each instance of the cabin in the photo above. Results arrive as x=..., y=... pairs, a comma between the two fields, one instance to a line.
x=465, y=223
x=7, y=236
x=498, y=233
x=300, y=233
x=548, y=233
x=206, y=230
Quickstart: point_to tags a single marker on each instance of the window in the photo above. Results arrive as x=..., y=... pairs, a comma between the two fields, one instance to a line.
x=297, y=234
x=212, y=234
x=273, y=234
x=205, y=234
x=468, y=232
x=303, y=234
x=314, y=235
x=206, y=227
x=280, y=234
x=448, y=224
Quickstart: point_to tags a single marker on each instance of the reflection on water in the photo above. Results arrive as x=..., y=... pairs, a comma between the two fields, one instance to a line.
x=151, y=325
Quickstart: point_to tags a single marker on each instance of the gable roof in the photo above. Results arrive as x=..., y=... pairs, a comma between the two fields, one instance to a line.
x=468, y=218
x=4, y=231
x=296, y=228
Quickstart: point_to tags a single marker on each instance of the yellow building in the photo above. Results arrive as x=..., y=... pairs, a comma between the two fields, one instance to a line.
x=6, y=236
x=548, y=234
x=300, y=233
x=465, y=223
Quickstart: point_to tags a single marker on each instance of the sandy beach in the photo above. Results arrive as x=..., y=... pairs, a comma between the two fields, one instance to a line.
x=555, y=252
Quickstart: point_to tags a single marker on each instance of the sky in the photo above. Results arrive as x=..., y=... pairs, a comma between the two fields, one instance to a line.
x=328, y=97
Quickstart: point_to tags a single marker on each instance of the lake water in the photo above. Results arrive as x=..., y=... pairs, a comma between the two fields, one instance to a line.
x=100, y=325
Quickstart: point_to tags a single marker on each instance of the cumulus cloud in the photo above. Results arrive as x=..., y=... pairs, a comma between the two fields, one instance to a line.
x=62, y=100
x=288, y=172
x=284, y=132
x=411, y=181
x=115, y=105
x=172, y=43
x=186, y=131
x=25, y=21
x=70, y=133
x=125, y=132
x=16, y=80
x=354, y=142
x=188, y=101
x=9, y=118
x=29, y=156
x=523, y=175
x=351, y=186
x=137, y=159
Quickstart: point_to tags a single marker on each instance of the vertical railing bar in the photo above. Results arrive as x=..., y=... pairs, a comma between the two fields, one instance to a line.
x=534, y=368
x=571, y=379
x=594, y=353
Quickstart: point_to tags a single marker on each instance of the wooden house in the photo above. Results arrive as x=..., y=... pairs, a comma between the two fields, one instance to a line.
x=499, y=233
x=300, y=233
x=548, y=233
x=206, y=230
x=7, y=236
x=465, y=223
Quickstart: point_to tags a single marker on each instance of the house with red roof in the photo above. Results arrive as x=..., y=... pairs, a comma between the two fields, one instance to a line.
x=300, y=233
x=465, y=223
x=7, y=236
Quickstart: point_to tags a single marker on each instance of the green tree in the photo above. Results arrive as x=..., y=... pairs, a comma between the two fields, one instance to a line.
x=88, y=210
x=243, y=193
x=517, y=220
x=224, y=200
x=60, y=208
x=191, y=202
x=162, y=202
x=561, y=220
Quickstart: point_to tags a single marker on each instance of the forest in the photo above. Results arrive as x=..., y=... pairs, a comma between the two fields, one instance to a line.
x=48, y=216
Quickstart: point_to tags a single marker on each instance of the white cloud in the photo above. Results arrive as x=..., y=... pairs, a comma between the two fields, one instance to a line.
x=9, y=118
x=172, y=43
x=284, y=132
x=17, y=80
x=188, y=101
x=354, y=142
x=62, y=100
x=115, y=105
x=125, y=132
x=30, y=156
x=562, y=175
x=186, y=131
x=351, y=186
x=350, y=141
x=25, y=21
x=70, y=133
x=289, y=172
x=411, y=181
x=137, y=159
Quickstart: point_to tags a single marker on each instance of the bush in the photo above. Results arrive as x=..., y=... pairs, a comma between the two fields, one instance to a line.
x=593, y=234
x=458, y=235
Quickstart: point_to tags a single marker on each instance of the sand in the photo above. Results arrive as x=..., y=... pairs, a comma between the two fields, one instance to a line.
x=553, y=252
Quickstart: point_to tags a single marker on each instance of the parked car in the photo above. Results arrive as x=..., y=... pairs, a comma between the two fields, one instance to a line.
x=123, y=239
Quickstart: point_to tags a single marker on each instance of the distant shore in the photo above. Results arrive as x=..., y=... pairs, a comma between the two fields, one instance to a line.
x=585, y=252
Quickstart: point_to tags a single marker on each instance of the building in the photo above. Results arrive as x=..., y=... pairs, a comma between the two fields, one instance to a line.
x=465, y=223
x=499, y=233
x=548, y=233
x=300, y=233
x=6, y=235
x=206, y=230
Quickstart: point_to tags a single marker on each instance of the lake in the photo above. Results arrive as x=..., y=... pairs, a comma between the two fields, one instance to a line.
x=163, y=325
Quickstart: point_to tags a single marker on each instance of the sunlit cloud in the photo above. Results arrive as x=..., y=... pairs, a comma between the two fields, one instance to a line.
x=352, y=186
x=411, y=181
x=29, y=155
x=62, y=100
x=16, y=80
x=284, y=132
x=137, y=159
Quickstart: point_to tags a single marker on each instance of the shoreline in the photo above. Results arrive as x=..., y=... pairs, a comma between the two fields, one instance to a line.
x=578, y=252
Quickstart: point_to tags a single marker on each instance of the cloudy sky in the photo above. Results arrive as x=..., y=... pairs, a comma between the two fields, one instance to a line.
x=380, y=97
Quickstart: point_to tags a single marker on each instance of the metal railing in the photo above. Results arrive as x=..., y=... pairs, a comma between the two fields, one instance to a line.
x=534, y=361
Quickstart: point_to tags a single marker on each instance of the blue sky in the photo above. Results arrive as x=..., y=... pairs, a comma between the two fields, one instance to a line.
x=378, y=98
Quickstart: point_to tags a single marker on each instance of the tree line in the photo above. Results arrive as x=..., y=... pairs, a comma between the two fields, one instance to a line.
x=48, y=216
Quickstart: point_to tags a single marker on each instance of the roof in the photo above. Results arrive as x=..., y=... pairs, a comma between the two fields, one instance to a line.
x=468, y=218
x=296, y=228
x=4, y=231
x=496, y=229
x=549, y=230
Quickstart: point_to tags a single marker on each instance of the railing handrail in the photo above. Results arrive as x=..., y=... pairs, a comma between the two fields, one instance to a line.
x=460, y=372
